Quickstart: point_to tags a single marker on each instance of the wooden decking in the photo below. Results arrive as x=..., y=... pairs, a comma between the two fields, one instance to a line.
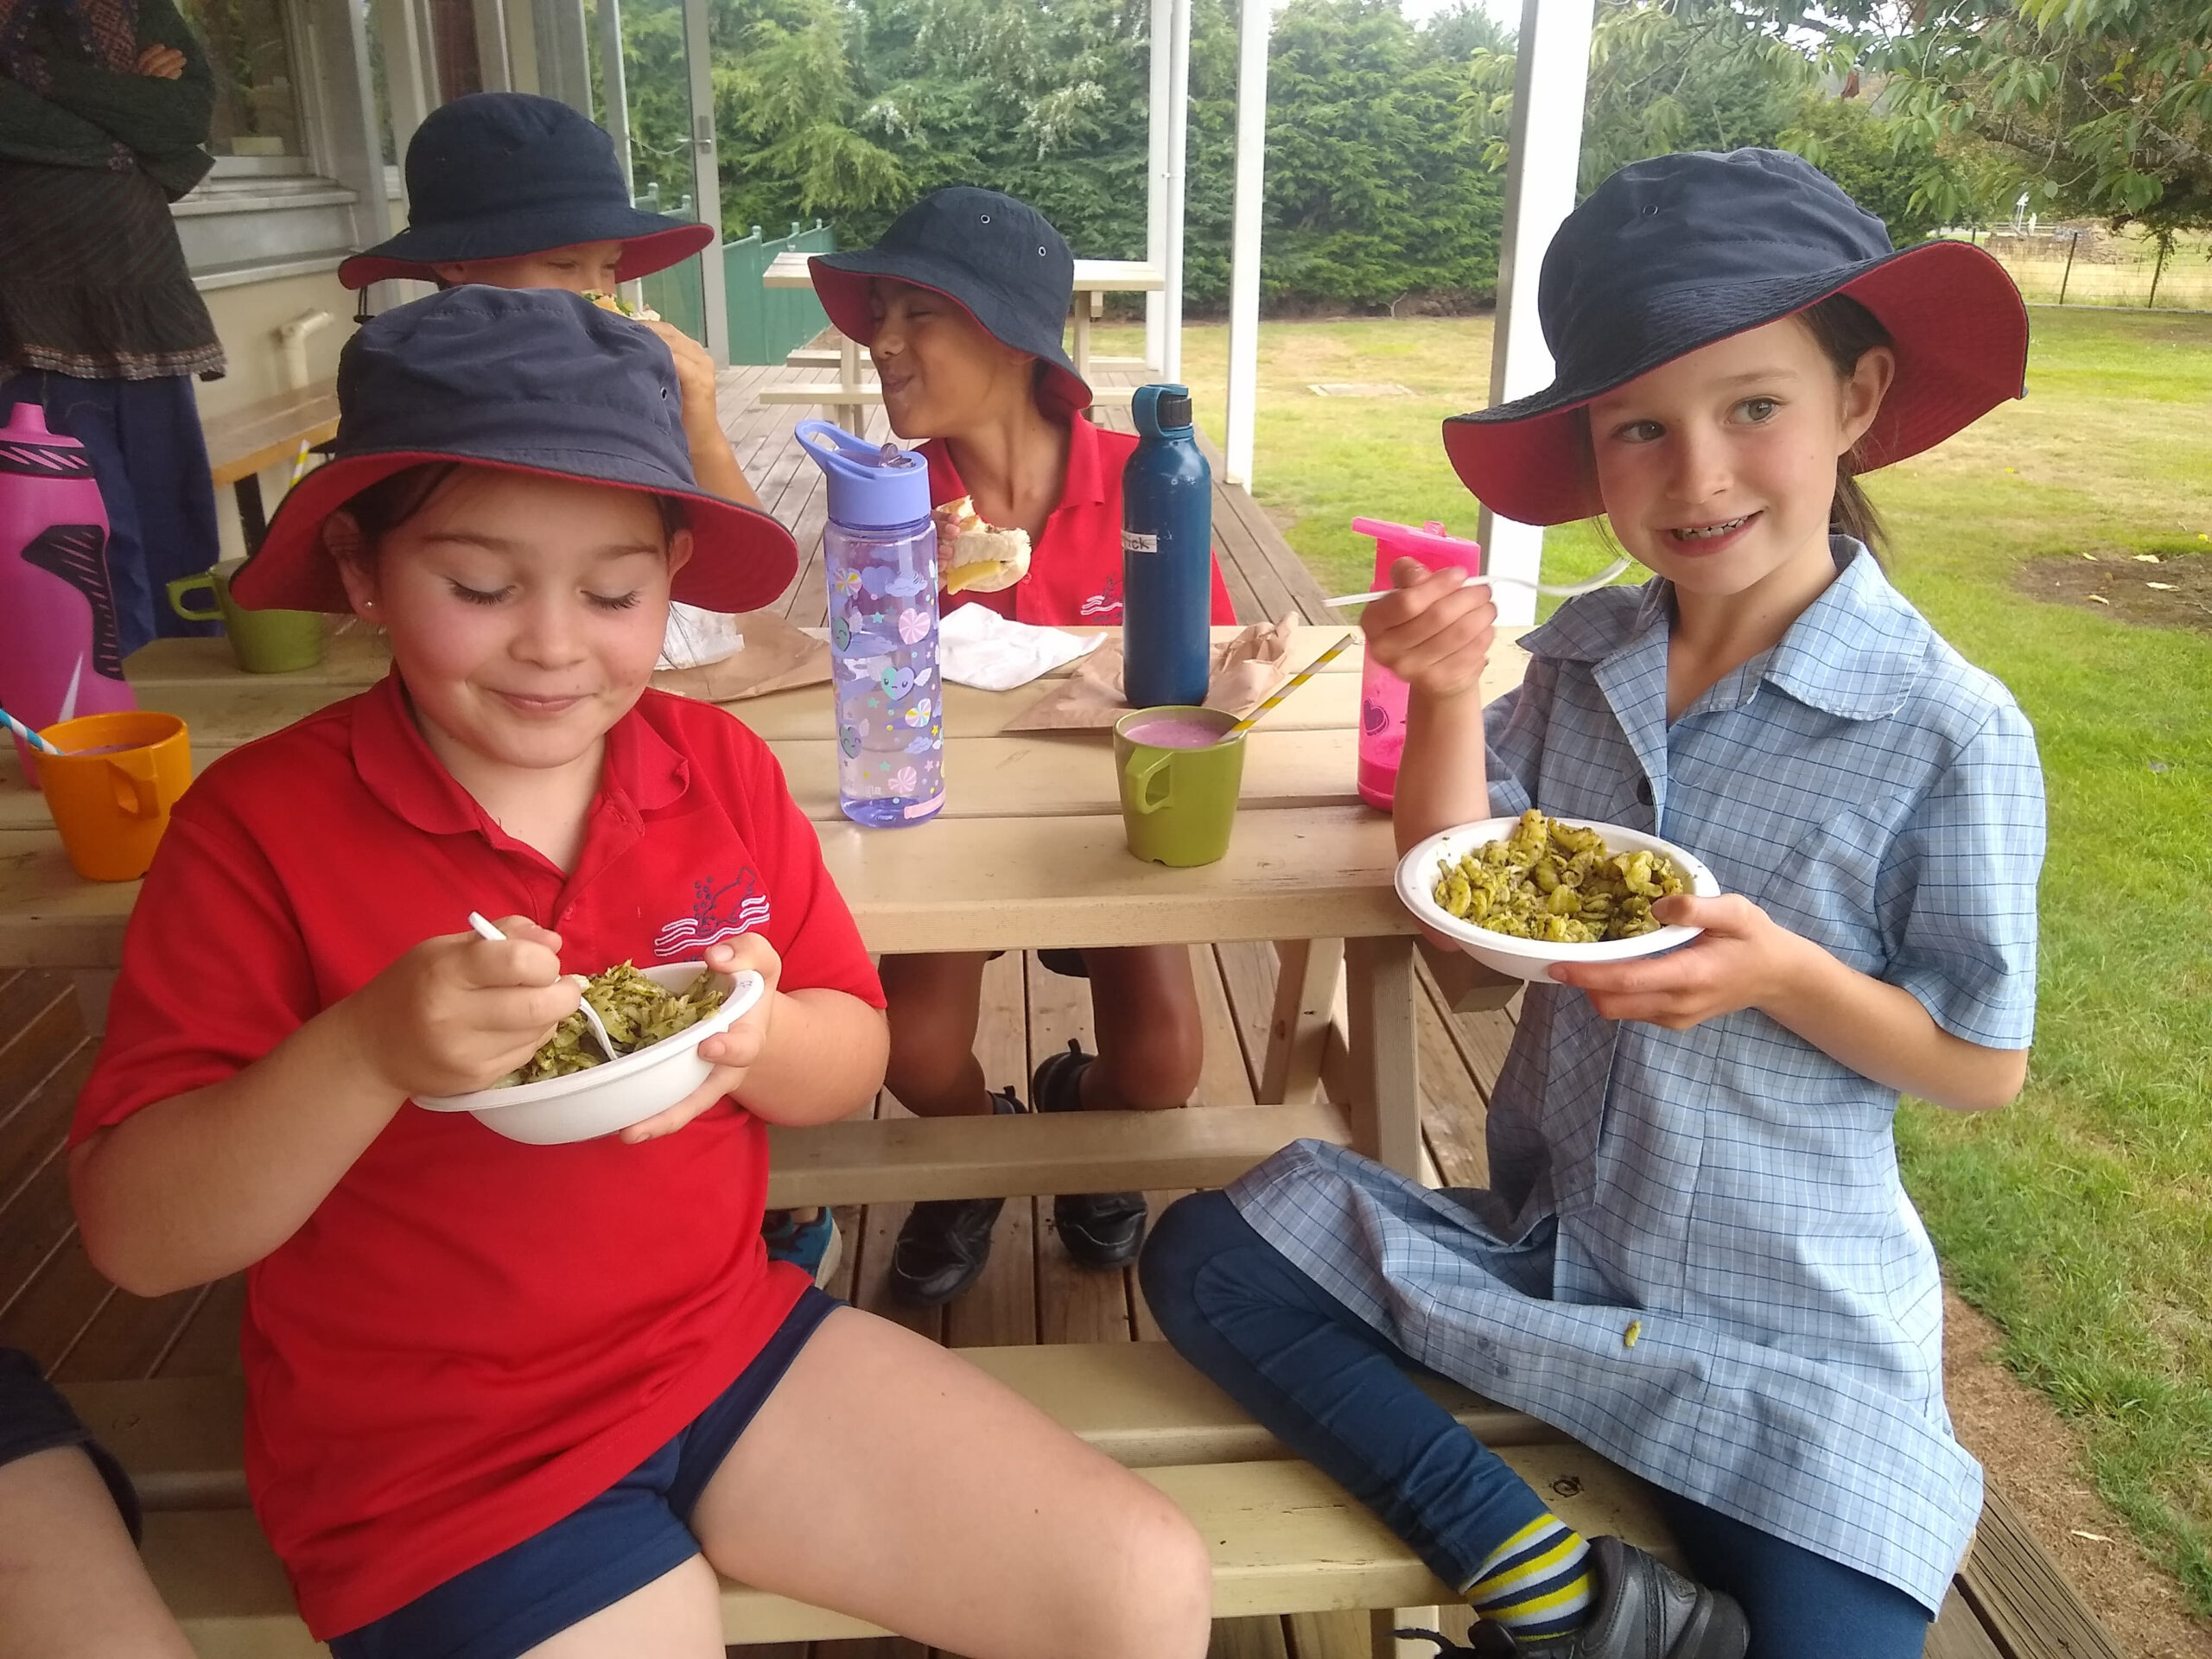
x=2010, y=1603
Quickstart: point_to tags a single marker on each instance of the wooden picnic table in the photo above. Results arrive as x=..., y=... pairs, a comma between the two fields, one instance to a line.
x=848, y=398
x=1027, y=854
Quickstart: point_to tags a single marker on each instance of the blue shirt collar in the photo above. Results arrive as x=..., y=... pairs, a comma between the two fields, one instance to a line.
x=1856, y=652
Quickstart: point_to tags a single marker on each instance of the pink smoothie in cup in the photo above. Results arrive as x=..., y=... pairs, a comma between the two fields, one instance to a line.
x=1174, y=732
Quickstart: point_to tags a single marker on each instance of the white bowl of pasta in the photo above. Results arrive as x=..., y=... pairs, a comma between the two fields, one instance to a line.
x=1609, y=884
x=612, y=1095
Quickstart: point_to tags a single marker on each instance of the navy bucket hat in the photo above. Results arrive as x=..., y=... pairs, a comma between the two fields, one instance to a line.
x=527, y=380
x=495, y=176
x=992, y=255
x=1674, y=253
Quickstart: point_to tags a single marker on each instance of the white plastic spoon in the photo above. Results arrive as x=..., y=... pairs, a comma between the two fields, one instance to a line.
x=591, y=1015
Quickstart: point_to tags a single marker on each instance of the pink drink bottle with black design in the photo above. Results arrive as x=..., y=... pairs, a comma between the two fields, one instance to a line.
x=1383, y=694
x=60, y=653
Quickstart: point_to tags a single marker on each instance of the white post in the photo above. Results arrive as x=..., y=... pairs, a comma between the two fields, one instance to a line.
x=706, y=181
x=1244, y=242
x=1179, y=137
x=614, y=89
x=1551, y=77
x=1157, y=121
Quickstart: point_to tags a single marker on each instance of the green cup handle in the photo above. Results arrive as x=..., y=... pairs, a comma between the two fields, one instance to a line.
x=184, y=585
x=131, y=773
x=1142, y=771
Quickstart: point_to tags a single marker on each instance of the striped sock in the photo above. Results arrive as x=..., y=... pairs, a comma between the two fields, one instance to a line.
x=1536, y=1584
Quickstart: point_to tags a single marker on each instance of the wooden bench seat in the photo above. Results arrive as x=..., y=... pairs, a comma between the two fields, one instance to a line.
x=1285, y=1539
x=880, y=1161
x=266, y=434
x=821, y=391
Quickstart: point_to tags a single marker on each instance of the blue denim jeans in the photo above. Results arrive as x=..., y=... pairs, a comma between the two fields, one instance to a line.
x=1336, y=1392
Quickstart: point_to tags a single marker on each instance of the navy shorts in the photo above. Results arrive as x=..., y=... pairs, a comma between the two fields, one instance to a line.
x=34, y=1417
x=635, y=1531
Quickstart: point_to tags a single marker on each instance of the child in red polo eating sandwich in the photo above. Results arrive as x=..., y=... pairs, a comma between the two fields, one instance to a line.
x=510, y=1399
x=512, y=190
x=961, y=305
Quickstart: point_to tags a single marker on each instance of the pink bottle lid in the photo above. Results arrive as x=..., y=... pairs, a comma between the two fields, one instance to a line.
x=1429, y=544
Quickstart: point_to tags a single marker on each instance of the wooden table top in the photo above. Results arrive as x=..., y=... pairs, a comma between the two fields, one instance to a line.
x=788, y=269
x=1028, y=851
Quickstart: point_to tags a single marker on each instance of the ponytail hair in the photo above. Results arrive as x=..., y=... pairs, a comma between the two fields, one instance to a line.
x=1846, y=331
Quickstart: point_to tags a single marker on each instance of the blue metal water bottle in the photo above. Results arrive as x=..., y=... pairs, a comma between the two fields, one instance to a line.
x=1167, y=556
x=879, y=553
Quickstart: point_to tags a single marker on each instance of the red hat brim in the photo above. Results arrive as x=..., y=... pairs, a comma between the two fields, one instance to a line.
x=741, y=559
x=641, y=256
x=1954, y=316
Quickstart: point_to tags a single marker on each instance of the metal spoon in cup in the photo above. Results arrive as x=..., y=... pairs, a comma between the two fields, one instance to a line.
x=591, y=1015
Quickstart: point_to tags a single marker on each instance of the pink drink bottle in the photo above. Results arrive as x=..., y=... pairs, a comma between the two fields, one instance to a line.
x=60, y=653
x=1383, y=694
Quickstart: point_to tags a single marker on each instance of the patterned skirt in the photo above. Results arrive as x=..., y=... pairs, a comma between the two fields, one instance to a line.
x=92, y=281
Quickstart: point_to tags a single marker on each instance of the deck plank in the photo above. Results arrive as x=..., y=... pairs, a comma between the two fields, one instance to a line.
x=2014, y=1585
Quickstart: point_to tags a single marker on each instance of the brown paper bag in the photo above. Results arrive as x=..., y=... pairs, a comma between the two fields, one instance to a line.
x=1245, y=671
x=776, y=657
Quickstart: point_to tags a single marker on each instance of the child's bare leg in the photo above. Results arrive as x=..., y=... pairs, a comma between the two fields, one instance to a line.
x=677, y=1615
x=933, y=1002
x=943, y=1506
x=1144, y=1006
x=71, y=1585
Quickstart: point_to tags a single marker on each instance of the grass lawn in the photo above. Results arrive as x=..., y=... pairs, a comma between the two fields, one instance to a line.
x=2081, y=1217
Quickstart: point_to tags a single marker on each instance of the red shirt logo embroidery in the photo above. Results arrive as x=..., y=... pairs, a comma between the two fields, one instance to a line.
x=717, y=913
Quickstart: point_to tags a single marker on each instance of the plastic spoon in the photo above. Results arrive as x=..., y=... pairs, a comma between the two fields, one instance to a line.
x=591, y=1015
x=1554, y=589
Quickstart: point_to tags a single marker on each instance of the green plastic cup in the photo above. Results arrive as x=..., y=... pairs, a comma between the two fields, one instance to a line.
x=1179, y=799
x=263, y=642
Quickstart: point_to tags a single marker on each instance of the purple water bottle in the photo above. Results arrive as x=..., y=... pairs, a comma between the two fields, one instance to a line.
x=878, y=551
x=60, y=653
x=1383, y=694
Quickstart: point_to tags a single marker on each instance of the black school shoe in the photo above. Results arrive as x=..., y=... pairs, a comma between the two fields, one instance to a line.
x=945, y=1243
x=1644, y=1610
x=1100, y=1230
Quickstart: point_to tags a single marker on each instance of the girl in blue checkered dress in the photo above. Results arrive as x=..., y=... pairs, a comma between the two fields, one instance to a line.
x=1695, y=1253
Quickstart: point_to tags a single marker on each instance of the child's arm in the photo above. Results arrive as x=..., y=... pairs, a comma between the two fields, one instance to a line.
x=807, y=1056
x=713, y=463
x=1745, y=959
x=1434, y=633
x=211, y=1181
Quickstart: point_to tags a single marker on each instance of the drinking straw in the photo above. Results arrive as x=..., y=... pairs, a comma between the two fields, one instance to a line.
x=28, y=735
x=1289, y=686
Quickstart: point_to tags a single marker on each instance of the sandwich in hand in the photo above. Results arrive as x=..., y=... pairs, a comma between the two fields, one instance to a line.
x=974, y=556
x=621, y=306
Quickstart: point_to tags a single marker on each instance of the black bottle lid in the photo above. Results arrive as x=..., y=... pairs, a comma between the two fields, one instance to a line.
x=1174, y=408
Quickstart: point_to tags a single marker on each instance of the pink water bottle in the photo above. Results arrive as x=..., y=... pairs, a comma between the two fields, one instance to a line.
x=1383, y=694
x=60, y=653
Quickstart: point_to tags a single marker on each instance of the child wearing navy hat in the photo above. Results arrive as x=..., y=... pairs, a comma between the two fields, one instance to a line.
x=498, y=1392
x=512, y=190
x=961, y=305
x=1695, y=1255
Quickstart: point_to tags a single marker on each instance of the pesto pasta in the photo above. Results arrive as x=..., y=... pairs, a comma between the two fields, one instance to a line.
x=1557, y=882
x=637, y=1015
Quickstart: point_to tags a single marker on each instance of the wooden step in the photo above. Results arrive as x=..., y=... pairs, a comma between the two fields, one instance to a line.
x=882, y=1161
x=1140, y=1403
x=1285, y=1539
x=815, y=356
x=821, y=392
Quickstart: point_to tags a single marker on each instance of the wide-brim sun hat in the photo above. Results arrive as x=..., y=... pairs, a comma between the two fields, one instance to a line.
x=495, y=176
x=994, y=256
x=1677, y=252
x=534, y=381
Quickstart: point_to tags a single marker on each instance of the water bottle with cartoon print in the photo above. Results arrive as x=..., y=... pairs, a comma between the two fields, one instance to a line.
x=879, y=553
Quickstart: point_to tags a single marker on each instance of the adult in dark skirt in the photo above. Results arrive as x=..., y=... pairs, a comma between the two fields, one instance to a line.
x=103, y=111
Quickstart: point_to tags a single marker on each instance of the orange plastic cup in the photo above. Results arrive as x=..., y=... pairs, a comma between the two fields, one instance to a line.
x=113, y=805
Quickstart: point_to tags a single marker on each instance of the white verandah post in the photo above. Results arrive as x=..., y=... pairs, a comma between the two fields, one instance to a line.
x=1551, y=77
x=1244, y=243
x=706, y=179
x=1177, y=181
x=1155, y=190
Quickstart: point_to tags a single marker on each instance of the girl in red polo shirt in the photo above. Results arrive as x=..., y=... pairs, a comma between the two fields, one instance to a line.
x=508, y=1399
x=961, y=305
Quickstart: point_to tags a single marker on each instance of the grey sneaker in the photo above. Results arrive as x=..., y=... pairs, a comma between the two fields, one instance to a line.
x=1644, y=1610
